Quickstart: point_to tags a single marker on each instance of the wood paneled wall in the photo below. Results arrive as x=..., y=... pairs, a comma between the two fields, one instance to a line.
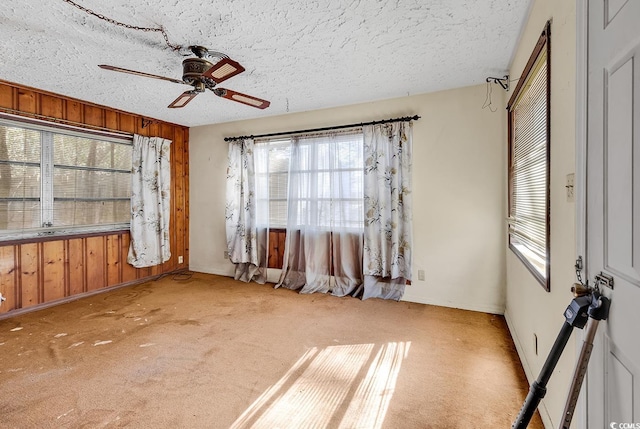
x=277, y=239
x=45, y=271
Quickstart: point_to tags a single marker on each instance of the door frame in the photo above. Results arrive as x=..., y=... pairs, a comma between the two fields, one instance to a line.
x=580, y=181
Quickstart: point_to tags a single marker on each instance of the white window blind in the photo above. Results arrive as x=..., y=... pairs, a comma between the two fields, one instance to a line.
x=272, y=179
x=20, y=188
x=54, y=181
x=529, y=199
x=91, y=181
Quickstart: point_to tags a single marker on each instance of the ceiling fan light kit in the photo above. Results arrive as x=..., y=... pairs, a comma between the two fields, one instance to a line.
x=203, y=74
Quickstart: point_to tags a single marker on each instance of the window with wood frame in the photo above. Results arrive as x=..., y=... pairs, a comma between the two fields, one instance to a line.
x=529, y=162
x=61, y=181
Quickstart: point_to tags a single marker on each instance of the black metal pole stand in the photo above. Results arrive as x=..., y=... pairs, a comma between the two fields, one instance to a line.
x=577, y=313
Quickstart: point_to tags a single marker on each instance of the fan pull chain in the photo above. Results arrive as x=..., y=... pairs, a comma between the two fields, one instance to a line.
x=131, y=27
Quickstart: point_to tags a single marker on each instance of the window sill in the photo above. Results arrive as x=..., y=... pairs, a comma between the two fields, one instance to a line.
x=533, y=263
x=60, y=234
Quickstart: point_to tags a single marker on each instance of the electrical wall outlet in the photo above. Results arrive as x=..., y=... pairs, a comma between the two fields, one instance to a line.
x=180, y=259
x=226, y=254
x=421, y=275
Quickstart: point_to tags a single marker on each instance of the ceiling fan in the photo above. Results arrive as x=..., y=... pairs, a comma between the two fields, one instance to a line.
x=207, y=70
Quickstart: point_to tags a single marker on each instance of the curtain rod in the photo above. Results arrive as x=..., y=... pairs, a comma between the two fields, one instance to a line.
x=337, y=127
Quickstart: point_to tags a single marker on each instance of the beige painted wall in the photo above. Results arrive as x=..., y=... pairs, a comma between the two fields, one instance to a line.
x=459, y=191
x=530, y=310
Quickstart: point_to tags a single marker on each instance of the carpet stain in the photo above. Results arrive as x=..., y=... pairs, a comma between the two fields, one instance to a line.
x=198, y=353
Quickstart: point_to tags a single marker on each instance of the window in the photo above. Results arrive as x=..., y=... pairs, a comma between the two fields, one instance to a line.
x=327, y=172
x=529, y=149
x=272, y=180
x=61, y=181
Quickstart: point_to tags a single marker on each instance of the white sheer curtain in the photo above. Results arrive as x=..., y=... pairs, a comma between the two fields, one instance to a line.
x=246, y=243
x=150, y=201
x=345, y=200
x=388, y=204
x=324, y=214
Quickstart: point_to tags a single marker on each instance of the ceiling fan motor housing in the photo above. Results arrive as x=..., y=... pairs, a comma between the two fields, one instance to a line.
x=192, y=69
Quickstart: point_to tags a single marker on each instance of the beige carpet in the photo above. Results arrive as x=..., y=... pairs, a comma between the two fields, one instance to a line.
x=209, y=352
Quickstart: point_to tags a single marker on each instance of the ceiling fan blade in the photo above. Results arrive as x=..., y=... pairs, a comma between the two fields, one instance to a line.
x=137, y=73
x=224, y=69
x=242, y=98
x=184, y=98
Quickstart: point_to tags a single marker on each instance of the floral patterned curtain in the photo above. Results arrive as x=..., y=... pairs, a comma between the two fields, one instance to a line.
x=246, y=243
x=387, y=198
x=150, y=202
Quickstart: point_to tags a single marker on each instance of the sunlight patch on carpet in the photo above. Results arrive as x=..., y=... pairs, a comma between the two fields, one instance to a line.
x=348, y=386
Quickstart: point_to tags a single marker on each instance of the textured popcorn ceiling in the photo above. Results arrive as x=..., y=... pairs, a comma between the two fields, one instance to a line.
x=300, y=55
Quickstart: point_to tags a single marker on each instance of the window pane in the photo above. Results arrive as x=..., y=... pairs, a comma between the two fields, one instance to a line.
x=87, y=213
x=17, y=215
x=349, y=154
x=83, y=152
x=349, y=213
x=272, y=180
x=77, y=184
x=19, y=181
x=529, y=166
x=278, y=185
x=279, y=158
x=19, y=178
x=278, y=214
x=91, y=173
x=350, y=183
x=19, y=145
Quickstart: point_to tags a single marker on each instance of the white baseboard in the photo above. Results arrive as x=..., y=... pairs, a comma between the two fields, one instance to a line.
x=542, y=408
x=209, y=270
x=273, y=275
x=483, y=308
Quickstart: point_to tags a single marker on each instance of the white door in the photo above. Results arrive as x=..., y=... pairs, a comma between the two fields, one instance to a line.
x=613, y=208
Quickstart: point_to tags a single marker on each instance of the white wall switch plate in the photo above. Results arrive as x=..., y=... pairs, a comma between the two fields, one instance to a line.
x=570, y=188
